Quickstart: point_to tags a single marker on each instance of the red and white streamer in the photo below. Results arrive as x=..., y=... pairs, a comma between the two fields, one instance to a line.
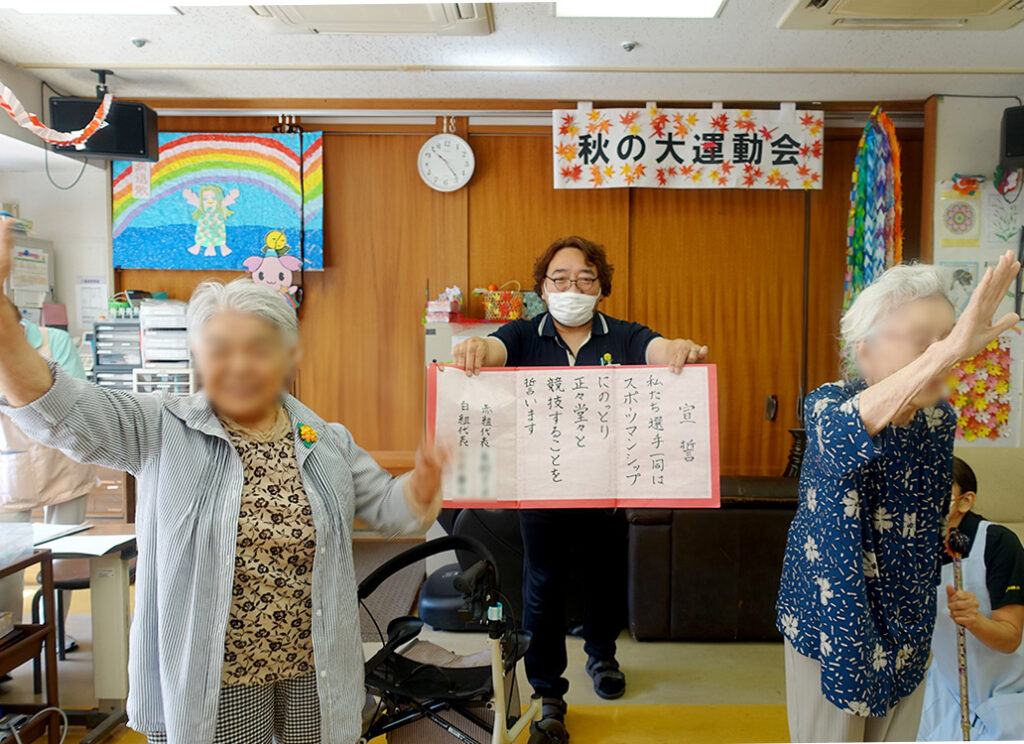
x=10, y=103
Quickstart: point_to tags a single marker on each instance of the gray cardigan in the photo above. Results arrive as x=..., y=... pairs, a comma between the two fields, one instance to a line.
x=190, y=484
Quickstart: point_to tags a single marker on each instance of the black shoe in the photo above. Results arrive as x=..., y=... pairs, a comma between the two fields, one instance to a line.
x=5, y=678
x=609, y=682
x=550, y=729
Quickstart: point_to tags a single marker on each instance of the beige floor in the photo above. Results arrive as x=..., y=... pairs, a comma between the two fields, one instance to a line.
x=681, y=682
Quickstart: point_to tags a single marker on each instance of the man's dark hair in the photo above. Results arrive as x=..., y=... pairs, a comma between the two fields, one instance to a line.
x=593, y=254
x=964, y=477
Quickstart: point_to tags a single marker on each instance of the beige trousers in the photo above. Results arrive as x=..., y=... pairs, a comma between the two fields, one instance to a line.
x=812, y=718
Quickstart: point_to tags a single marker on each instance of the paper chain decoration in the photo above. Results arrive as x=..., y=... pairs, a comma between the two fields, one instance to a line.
x=10, y=103
x=874, y=239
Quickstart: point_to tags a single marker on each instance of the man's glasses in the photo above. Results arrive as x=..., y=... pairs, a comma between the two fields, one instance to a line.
x=583, y=284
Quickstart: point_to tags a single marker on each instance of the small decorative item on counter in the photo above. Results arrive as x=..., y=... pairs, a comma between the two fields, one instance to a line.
x=445, y=309
x=502, y=303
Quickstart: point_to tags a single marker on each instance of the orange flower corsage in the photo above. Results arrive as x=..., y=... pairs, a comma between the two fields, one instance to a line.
x=307, y=434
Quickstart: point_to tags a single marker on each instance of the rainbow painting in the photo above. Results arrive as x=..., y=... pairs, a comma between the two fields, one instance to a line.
x=211, y=199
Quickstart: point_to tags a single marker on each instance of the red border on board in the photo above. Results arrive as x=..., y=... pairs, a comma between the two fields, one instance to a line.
x=668, y=503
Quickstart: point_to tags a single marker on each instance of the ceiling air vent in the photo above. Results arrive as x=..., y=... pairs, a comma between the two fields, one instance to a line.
x=404, y=19
x=914, y=15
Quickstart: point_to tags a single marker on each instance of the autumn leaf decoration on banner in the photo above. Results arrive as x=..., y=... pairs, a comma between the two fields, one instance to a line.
x=675, y=148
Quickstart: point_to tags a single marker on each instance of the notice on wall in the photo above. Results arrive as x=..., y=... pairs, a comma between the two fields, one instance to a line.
x=90, y=299
x=545, y=437
x=688, y=148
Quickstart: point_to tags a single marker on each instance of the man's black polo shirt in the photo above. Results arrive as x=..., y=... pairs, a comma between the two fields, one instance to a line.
x=536, y=343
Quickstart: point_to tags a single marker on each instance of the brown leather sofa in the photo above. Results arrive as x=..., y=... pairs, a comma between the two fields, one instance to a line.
x=711, y=574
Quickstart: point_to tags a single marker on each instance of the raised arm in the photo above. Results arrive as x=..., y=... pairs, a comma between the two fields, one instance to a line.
x=86, y=422
x=884, y=401
x=24, y=375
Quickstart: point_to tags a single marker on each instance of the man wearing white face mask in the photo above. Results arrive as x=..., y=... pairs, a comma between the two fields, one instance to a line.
x=573, y=276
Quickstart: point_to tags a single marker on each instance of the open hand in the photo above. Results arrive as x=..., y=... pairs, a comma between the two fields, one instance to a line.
x=975, y=329
x=425, y=480
x=963, y=607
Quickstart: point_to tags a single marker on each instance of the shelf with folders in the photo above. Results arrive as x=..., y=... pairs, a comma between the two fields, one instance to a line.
x=164, y=335
x=169, y=380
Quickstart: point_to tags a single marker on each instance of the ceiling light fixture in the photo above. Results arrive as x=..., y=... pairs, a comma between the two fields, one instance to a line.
x=638, y=8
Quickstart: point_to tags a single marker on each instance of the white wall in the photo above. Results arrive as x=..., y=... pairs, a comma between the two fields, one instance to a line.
x=27, y=89
x=76, y=221
x=967, y=142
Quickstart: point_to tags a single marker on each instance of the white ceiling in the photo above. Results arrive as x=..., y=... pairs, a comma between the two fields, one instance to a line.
x=223, y=52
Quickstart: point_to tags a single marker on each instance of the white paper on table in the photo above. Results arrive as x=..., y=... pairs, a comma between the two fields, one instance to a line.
x=44, y=533
x=90, y=545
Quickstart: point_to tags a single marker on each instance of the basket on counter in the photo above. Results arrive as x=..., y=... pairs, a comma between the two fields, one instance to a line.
x=503, y=303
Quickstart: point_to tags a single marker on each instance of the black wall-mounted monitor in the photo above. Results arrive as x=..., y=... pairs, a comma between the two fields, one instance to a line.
x=130, y=133
x=1011, y=140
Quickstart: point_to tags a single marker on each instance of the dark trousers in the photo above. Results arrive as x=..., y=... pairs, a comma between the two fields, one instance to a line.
x=571, y=551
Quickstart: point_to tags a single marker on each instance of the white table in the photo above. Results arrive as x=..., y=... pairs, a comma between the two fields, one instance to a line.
x=108, y=586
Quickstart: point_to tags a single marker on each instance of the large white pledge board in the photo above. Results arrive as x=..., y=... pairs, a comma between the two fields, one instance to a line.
x=547, y=437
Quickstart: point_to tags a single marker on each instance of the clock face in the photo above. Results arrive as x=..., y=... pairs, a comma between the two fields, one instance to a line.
x=446, y=162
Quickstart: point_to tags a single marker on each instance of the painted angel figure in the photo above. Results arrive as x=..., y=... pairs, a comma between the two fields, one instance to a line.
x=211, y=217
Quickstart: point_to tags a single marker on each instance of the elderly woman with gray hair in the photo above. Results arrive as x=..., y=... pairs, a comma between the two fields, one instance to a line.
x=857, y=598
x=246, y=627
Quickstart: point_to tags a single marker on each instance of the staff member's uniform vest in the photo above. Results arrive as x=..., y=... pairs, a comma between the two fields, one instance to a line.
x=32, y=475
x=995, y=680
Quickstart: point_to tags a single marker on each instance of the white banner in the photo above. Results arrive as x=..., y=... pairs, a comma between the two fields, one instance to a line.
x=687, y=148
x=537, y=437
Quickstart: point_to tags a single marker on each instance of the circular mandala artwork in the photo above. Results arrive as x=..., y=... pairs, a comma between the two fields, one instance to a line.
x=959, y=218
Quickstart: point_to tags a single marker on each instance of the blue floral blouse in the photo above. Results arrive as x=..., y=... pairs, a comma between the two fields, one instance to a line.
x=863, y=553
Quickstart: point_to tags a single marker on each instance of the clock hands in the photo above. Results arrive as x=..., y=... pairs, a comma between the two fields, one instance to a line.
x=448, y=164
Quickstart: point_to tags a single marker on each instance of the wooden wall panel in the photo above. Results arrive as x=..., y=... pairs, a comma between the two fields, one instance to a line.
x=722, y=267
x=362, y=331
x=515, y=213
x=829, y=210
x=725, y=268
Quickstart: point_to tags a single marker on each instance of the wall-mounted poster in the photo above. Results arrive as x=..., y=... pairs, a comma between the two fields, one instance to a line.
x=986, y=393
x=210, y=201
x=688, y=148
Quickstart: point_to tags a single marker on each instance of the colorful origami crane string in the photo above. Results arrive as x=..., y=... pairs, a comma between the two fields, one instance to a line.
x=10, y=103
x=874, y=238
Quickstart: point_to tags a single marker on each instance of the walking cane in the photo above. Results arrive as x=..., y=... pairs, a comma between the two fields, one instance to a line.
x=957, y=545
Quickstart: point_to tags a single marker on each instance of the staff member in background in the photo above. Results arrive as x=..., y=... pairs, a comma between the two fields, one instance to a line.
x=573, y=276
x=32, y=475
x=246, y=626
x=991, y=607
x=857, y=598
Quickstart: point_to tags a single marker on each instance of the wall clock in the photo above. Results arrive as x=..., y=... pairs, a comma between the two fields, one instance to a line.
x=446, y=162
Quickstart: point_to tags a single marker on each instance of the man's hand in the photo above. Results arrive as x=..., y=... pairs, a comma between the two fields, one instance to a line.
x=963, y=607
x=683, y=351
x=471, y=355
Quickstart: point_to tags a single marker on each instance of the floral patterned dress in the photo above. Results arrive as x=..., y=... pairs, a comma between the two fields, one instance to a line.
x=863, y=554
x=269, y=634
